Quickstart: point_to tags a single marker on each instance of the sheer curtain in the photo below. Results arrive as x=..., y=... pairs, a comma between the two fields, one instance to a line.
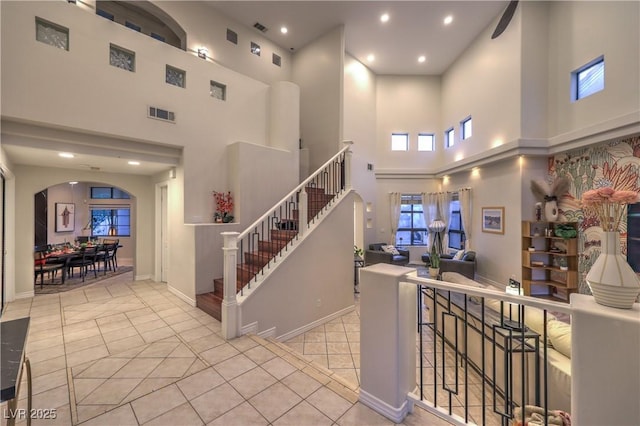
x=430, y=209
x=395, y=201
x=464, y=195
x=444, y=201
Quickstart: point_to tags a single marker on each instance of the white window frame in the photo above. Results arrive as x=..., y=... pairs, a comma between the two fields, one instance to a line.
x=463, y=128
x=449, y=137
x=421, y=142
x=395, y=145
x=575, y=78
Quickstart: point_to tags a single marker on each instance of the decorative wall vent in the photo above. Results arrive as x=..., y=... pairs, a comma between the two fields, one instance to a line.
x=161, y=114
x=260, y=27
x=232, y=36
x=277, y=60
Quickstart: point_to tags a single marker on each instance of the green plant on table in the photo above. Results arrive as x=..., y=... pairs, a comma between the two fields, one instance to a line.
x=434, y=258
x=357, y=251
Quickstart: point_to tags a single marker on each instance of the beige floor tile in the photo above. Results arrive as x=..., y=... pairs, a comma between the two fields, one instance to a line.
x=82, y=334
x=278, y=368
x=340, y=361
x=46, y=382
x=219, y=353
x=38, y=328
x=44, y=343
x=259, y=354
x=200, y=331
x=83, y=387
x=48, y=366
x=148, y=386
x=181, y=415
x=111, y=319
x=52, y=398
x=336, y=336
x=334, y=348
x=329, y=402
x=182, y=351
x=243, y=343
x=81, y=344
x=176, y=318
x=115, y=325
x=142, y=316
x=316, y=337
x=111, y=392
x=252, y=382
x=320, y=359
x=233, y=367
x=301, y=383
x=137, y=368
x=157, y=334
x=187, y=325
x=157, y=403
x=334, y=326
x=206, y=342
x=102, y=368
x=199, y=383
x=172, y=367
x=86, y=355
x=353, y=336
x=242, y=415
x=158, y=349
x=274, y=401
x=62, y=417
x=121, y=416
x=360, y=414
x=151, y=325
x=119, y=346
x=314, y=348
x=216, y=402
x=46, y=354
x=348, y=374
x=140, y=312
x=196, y=367
x=303, y=414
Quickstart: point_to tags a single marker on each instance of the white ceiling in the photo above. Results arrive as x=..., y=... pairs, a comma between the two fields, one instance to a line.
x=414, y=28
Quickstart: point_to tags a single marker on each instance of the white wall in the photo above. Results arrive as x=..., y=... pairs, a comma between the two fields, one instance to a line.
x=579, y=32
x=29, y=180
x=359, y=127
x=407, y=104
x=318, y=69
x=296, y=278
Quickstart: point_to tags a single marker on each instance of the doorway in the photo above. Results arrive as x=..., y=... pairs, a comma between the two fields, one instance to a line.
x=164, y=234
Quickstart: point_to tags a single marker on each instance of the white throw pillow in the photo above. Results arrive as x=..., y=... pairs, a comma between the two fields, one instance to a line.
x=458, y=255
x=559, y=334
x=390, y=249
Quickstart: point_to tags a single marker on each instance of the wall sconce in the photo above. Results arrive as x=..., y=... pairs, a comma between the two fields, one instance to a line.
x=202, y=52
x=172, y=173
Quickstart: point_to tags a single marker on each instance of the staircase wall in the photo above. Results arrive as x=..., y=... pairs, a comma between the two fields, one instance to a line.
x=314, y=282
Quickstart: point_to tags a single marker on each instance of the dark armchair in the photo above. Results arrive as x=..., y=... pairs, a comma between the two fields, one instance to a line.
x=375, y=254
x=465, y=266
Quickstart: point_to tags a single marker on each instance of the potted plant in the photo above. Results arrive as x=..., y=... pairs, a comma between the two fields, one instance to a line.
x=357, y=251
x=434, y=267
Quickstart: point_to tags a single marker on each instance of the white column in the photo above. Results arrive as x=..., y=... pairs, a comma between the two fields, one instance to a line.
x=347, y=165
x=229, y=303
x=303, y=212
x=388, y=327
x=605, y=363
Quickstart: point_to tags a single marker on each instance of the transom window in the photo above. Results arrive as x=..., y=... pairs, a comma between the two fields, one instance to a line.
x=399, y=141
x=465, y=127
x=588, y=80
x=107, y=192
x=449, y=138
x=426, y=142
x=412, y=227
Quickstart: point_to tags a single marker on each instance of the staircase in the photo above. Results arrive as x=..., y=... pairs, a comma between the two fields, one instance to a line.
x=262, y=249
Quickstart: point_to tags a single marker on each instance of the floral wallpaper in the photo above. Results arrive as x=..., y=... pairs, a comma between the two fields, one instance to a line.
x=615, y=163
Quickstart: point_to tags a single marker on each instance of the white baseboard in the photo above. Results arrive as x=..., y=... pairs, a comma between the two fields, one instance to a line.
x=268, y=333
x=142, y=277
x=395, y=414
x=454, y=419
x=249, y=329
x=181, y=295
x=314, y=324
x=25, y=294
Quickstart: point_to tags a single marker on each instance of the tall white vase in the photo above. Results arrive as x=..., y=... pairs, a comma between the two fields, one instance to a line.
x=551, y=210
x=611, y=279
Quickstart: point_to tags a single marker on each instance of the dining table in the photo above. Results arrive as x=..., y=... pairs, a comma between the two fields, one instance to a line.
x=64, y=255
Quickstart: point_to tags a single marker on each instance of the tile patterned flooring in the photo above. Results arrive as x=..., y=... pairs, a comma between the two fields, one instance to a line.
x=123, y=352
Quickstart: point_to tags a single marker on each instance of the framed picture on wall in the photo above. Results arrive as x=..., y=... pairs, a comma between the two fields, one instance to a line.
x=493, y=220
x=65, y=217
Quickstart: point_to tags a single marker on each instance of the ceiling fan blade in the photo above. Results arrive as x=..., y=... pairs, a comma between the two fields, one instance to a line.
x=506, y=18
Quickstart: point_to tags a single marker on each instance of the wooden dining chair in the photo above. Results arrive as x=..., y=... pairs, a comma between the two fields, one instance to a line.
x=41, y=267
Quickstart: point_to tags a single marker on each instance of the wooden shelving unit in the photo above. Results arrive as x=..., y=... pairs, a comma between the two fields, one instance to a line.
x=542, y=275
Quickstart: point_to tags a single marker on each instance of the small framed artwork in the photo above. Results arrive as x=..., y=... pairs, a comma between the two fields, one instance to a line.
x=65, y=217
x=493, y=220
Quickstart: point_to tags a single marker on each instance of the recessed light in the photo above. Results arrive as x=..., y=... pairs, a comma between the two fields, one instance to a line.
x=73, y=183
x=134, y=163
x=66, y=155
x=422, y=58
x=448, y=20
x=284, y=30
x=384, y=17
x=371, y=57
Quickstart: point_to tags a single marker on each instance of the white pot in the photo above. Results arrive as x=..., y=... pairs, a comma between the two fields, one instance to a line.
x=611, y=280
x=433, y=273
x=551, y=211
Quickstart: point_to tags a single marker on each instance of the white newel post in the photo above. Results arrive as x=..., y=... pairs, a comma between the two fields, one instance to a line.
x=347, y=165
x=605, y=363
x=388, y=318
x=229, y=303
x=303, y=212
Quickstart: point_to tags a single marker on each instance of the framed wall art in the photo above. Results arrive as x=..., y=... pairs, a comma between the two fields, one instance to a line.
x=493, y=220
x=65, y=217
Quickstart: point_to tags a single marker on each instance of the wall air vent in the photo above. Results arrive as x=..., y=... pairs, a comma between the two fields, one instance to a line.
x=260, y=27
x=161, y=114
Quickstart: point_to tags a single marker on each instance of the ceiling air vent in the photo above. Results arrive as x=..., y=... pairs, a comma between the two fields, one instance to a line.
x=260, y=27
x=161, y=114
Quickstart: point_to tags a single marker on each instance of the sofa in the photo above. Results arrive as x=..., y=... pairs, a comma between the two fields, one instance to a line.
x=376, y=254
x=465, y=266
x=558, y=361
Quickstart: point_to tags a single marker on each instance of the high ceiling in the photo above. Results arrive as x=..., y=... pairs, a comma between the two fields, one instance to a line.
x=414, y=28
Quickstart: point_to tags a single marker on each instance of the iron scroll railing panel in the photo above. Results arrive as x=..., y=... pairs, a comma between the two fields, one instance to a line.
x=479, y=359
x=265, y=242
